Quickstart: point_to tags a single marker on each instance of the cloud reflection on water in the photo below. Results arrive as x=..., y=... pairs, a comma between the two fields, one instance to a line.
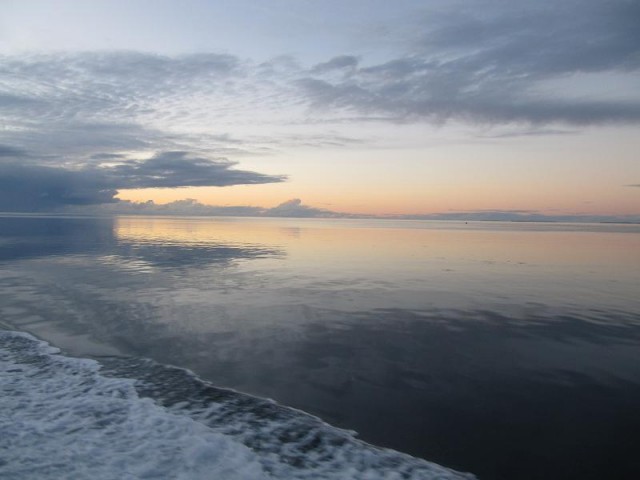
x=441, y=340
x=118, y=241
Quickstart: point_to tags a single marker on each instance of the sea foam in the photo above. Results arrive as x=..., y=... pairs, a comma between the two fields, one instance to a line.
x=63, y=417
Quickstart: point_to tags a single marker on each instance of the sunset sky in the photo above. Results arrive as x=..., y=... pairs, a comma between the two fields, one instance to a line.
x=366, y=107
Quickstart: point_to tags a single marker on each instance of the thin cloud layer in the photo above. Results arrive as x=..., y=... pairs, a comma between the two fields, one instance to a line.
x=79, y=104
x=293, y=208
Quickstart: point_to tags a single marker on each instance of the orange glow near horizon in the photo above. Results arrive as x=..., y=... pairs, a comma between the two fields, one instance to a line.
x=408, y=201
x=564, y=174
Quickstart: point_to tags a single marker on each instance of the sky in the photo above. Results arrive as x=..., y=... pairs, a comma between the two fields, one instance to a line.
x=434, y=109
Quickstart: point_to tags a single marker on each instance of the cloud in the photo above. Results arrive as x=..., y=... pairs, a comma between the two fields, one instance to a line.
x=537, y=39
x=180, y=169
x=27, y=187
x=487, y=62
x=107, y=156
x=77, y=105
x=12, y=152
x=522, y=216
x=484, y=63
x=295, y=208
x=79, y=122
x=36, y=188
x=337, y=63
x=535, y=132
x=189, y=207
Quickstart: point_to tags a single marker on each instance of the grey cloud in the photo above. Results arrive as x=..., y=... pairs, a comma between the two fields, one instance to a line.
x=325, y=94
x=157, y=67
x=76, y=106
x=77, y=120
x=483, y=61
x=79, y=137
x=539, y=38
x=442, y=96
x=522, y=216
x=179, y=169
x=480, y=62
x=282, y=65
x=35, y=188
x=14, y=102
x=76, y=140
x=86, y=103
x=536, y=132
x=187, y=206
x=107, y=156
x=328, y=139
x=41, y=188
x=337, y=63
x=295, y=208
x=9, y=151
x=117, y=71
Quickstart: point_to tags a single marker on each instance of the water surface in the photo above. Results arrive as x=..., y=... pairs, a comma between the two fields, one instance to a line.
x=509, y=350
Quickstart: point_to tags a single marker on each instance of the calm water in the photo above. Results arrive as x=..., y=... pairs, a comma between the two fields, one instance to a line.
x=503, y=349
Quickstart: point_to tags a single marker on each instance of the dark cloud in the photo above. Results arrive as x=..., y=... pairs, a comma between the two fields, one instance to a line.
x=484, y=62
x=440, y=96
x=9, y=151
x=539, y=38
x=180, y=169
x=36, y=188
x=78, y=140
x=41, y=188
x=78, y=120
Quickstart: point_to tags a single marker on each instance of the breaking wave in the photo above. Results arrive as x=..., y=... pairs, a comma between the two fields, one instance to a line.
x=123, y=418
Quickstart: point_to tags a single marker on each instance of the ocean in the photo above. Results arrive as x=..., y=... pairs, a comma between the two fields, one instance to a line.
x=251, y=348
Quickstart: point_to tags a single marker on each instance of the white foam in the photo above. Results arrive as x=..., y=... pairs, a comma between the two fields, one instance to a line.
x=61, y=418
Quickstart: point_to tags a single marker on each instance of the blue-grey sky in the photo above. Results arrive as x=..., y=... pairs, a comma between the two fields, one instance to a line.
x=370, y=107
